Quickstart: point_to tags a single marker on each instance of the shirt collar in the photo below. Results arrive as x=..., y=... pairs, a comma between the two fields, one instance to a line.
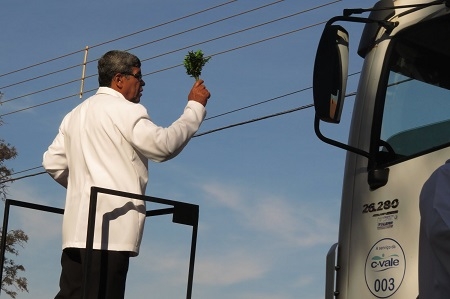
x=110, y=91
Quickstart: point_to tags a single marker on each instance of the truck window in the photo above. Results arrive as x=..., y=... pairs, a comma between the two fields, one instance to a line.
x=416, y=112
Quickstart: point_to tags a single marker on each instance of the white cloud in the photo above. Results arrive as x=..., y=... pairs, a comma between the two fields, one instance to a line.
x=231, y=267
x=38, y=225
x=304, y=280
x=19, y=104
x=257, y=235
x=289, y=220
x=223, y=195
x=169, y=264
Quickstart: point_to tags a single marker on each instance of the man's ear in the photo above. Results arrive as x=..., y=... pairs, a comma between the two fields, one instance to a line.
x=117, y=82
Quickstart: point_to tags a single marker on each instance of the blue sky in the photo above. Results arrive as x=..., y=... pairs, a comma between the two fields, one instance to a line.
x=268, y=191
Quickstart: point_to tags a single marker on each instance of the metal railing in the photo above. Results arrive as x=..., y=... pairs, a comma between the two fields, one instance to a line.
x=183, y=213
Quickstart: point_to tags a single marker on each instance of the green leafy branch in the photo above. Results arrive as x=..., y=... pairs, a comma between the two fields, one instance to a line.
x=194, y=62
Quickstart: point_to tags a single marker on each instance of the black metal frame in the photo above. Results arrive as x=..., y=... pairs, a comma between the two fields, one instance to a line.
x=183, y=213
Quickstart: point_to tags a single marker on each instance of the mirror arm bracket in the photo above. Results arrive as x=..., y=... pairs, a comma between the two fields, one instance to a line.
x=376, y=177
x=389, y=26
x=337, y=143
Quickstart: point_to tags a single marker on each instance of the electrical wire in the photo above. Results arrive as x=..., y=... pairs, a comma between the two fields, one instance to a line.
x=119, y=38
x=219, y=53
x=26, y=170
x=207, y=132
x=254, y=120
x=233, y=16
x=43, y=104
x=197, y=135
x=256, y=104
x=42, y=90
x=235, y=32
x=173, y=51
x=151, y=42
x=220, y=128
x=166, y=53
x=157, y=71
x=22, y=177
x=62, y=84
x=241, y=47
x=38, y=77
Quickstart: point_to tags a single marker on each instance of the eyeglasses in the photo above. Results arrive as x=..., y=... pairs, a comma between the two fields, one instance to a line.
x=138, y=76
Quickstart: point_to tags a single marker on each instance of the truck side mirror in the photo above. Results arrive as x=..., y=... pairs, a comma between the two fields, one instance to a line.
x=330, y=73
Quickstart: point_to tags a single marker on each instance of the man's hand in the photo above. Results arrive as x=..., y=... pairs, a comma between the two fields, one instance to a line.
x=199, y=93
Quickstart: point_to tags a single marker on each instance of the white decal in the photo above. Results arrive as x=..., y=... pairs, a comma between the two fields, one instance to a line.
x=385, y=268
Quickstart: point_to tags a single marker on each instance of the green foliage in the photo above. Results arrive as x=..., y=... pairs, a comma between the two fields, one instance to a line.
x=7, y=152
x=11, y=282
x=194, y=62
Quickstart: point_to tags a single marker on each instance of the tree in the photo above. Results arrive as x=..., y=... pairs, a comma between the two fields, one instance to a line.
x=12, y=282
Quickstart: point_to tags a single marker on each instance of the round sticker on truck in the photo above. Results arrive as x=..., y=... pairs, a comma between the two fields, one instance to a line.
x=385, y=268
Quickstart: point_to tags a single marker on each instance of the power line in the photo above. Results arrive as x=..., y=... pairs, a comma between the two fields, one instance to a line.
x=42, y=104
x=216, y=116
x=256, y=104
x=236, y=32
x=239, y=47
x=26, y=170
x=38, y=77
x=230, y=17
x=154, y=41
x=23, y=177
x=178, y=65
x=210, y=131
x=42, y=90
x=169, y=22
x=221, y=128
x=270, y=38
x=254, y=120
x=219, y=53
x=173, y=51
x=71, y=67
x=197, y=135
x=157, y=71
x=119, y=38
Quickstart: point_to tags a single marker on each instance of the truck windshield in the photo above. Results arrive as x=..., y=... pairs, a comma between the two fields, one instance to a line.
x=416, y=117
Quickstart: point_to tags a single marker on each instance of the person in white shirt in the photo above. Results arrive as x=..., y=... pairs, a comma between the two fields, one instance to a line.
x=106, y=141
x=434, y=238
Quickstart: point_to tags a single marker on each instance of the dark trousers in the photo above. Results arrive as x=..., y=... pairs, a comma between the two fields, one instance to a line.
x=107, y=276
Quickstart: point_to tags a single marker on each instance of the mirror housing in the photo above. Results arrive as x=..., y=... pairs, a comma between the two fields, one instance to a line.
x=330, y=73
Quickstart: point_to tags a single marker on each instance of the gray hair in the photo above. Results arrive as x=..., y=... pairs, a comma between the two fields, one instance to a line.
x=114, y=62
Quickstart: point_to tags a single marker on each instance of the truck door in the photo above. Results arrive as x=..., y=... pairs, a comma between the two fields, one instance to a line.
x=400, y=133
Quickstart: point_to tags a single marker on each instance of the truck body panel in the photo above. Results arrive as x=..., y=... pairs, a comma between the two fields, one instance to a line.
x=401, y=119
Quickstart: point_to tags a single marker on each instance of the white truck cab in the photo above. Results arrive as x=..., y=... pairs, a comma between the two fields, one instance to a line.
x=399, y=134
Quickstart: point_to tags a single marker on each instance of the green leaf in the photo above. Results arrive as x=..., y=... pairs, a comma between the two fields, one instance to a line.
x=194, y=62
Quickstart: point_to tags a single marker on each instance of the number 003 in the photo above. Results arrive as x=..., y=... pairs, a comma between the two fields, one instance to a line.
x=384, y=285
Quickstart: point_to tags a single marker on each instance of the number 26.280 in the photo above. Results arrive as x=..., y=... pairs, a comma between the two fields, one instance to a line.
x=380, y=206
